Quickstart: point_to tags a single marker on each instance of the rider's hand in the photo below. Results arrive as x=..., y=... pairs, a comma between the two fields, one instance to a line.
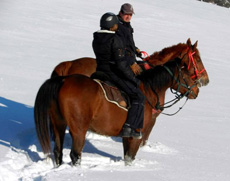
x=136, y=69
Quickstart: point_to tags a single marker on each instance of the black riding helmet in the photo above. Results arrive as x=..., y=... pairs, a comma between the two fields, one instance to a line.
x=108, y=20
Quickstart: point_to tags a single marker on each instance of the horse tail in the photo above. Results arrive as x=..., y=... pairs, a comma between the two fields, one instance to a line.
x=47, y=94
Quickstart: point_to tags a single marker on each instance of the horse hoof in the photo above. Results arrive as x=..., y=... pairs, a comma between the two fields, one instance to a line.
x=76, y=163
x=58, y=163
x=128, y=163
x=128, y=160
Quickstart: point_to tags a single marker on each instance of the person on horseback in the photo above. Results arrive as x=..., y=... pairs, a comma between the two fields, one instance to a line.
x=125, y=30
x=111, y=59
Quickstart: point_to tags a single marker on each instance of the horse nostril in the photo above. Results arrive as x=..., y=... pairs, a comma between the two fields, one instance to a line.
x=205, y=81
x=202, y=82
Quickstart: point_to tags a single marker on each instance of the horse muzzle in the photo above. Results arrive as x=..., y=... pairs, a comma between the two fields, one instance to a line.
x=203, y=81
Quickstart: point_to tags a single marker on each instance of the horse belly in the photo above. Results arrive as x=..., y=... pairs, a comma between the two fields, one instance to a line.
x=108, y=119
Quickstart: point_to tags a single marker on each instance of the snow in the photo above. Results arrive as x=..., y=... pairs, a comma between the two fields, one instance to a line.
x=37, y=35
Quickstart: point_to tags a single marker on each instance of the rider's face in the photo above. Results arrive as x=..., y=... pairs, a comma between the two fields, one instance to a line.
x=114, y=28
x=126, y=17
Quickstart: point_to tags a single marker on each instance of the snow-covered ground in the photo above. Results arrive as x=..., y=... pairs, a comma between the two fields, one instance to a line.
x=36, y=35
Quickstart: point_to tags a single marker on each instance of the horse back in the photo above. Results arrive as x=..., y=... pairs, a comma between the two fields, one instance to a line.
x=85, y=66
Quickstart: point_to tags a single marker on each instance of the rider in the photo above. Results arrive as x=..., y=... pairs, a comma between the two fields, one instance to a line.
x=110, y=56
x=125, y=30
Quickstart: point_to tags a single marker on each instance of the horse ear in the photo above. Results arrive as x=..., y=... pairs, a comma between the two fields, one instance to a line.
x=189, y=43
x=195, y=45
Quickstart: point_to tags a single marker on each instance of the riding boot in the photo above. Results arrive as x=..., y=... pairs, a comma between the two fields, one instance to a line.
x=136, y=134
x=128, y=132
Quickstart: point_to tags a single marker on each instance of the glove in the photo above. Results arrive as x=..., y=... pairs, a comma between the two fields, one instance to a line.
x=136, y=69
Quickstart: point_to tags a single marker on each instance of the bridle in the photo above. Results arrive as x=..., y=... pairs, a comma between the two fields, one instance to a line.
x=178, y=95
x=193, y=63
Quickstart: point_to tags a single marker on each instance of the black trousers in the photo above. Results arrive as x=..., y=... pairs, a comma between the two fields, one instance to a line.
x=135, y=116
x=136, y=112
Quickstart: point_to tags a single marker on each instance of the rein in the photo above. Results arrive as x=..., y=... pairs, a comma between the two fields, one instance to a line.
x=145, y=59
x=178, y=96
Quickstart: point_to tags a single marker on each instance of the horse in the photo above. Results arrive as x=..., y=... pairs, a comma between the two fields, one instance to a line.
x=78, y=102
x=87, y=66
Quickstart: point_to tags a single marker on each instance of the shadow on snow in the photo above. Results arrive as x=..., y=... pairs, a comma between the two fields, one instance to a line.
x=17, y=131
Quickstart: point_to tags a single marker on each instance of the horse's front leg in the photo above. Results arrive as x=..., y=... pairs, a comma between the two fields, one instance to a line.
x=131, y=147
x=147, y=129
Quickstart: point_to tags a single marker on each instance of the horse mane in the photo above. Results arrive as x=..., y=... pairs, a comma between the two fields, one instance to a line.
x=169, y=53
x=158, y=77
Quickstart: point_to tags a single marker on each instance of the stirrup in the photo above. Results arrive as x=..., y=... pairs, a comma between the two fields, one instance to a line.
x=135, y=134
x=126, y=132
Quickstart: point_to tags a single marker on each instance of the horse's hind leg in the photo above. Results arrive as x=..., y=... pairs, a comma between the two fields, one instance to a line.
x=78, y=141
x=58, y=147
x=59, y=127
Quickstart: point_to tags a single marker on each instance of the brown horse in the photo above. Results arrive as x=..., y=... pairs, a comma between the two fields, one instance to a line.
x=78, y=102
x=87, y=66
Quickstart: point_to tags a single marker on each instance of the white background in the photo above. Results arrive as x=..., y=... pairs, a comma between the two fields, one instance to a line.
x=37, y=35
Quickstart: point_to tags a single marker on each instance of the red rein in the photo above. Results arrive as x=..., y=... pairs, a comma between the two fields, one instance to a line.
x=146, y=58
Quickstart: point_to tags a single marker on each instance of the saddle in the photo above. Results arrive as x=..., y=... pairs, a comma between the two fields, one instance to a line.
x=111, y=92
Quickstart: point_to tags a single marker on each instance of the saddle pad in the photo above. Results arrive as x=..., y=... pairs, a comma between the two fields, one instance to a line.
x=112, y=94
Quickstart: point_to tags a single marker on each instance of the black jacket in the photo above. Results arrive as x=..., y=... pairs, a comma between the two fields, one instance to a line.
x=125, y=32
x=110, y=56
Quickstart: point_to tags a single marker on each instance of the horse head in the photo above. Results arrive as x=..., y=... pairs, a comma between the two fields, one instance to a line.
x=194, y=64
x=193, y=70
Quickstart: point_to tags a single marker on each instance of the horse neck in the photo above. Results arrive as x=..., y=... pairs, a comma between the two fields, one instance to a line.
x=167, y=54
x=156, y=81
x=154, y=97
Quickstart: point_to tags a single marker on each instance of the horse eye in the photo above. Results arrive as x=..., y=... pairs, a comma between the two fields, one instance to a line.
x=197, y=59
x=184, y=66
